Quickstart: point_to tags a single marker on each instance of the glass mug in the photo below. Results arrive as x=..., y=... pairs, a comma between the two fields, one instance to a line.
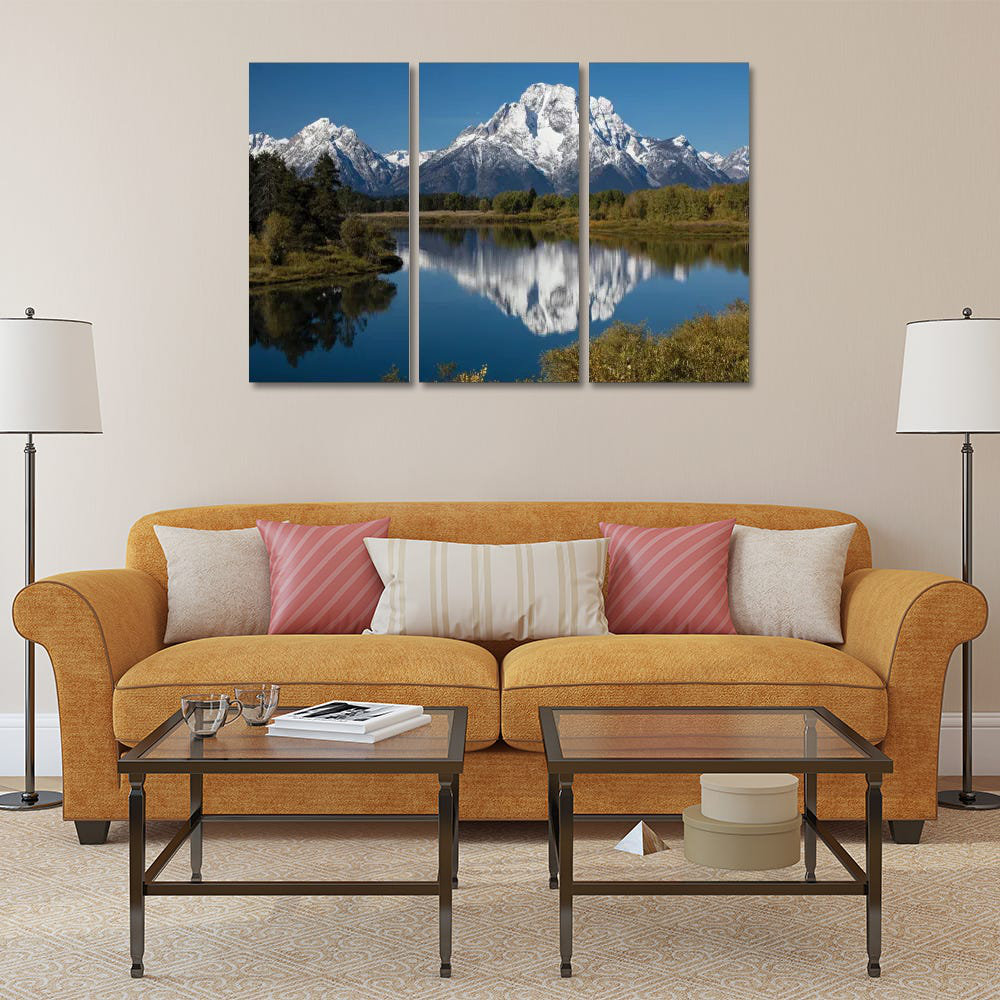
x=206, y=714
x=259, y=703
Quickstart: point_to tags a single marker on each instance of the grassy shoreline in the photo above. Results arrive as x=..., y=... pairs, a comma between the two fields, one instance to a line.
x=705, y=348
x=444, y=220
x=694, y=229
x=332, y=264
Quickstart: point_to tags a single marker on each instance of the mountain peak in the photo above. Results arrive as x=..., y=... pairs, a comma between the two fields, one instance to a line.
x=539, y=94
x=361, y=167
x=601, y=106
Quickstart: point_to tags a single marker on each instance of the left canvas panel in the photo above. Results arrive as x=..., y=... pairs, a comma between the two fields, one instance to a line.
x=329, y=222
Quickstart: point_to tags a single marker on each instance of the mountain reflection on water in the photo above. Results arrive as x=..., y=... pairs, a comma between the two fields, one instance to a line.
x=534, y=277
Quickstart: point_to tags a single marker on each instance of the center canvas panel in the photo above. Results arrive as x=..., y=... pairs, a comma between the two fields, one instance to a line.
x=499, y=221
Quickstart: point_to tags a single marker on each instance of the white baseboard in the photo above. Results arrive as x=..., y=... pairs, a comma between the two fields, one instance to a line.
x=48, y=754
x=48, y=758
x=985, y=743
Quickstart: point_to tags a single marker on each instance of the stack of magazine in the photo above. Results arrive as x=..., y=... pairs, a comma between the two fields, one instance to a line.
x=349, y=721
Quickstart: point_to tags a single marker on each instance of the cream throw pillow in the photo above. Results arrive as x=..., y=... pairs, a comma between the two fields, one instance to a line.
x=218, y=582
x=788, y=583
x=481, y=592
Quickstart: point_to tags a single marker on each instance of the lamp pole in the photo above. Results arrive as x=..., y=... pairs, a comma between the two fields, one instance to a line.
x=967, y=798
x=30, y=797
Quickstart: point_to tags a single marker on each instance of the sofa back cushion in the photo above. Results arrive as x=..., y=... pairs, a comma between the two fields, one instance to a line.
x=487, y=523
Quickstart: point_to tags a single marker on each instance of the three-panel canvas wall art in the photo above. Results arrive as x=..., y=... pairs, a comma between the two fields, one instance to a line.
x=664, y=187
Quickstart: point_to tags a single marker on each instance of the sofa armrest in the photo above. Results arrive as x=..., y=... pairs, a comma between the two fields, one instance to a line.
x=94, y=625
x=905, y=625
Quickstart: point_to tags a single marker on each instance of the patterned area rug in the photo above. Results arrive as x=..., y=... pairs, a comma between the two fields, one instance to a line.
x=64, y=920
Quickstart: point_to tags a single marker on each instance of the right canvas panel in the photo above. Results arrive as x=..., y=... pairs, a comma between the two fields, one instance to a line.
x=669, y=222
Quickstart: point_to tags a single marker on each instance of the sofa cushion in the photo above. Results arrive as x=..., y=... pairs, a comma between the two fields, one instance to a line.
x=313, y=668
x=686, y=670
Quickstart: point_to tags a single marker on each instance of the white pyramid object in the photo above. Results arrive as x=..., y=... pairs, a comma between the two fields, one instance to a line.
x=641, y=840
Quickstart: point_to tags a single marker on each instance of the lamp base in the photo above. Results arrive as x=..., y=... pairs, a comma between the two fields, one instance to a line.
x=15, y=802
x=979, y=800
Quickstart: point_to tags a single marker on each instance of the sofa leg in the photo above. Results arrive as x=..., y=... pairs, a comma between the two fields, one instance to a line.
x=906, y=831
x=92, y=831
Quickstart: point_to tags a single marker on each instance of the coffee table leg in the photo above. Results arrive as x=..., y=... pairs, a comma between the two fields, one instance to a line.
x=873, y=868
x=197, y=834
x=137, y=872
x=566, y=874
x=809, y=798
x=553, y=831
x=446, y=829
x=809, y=835
x=454, y=838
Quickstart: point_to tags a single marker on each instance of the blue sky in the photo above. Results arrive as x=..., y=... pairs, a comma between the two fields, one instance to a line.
x=707, y=102
x=372, y=98
x=456, y=95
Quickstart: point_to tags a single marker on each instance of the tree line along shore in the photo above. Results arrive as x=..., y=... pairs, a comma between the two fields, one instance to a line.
x=721, y=210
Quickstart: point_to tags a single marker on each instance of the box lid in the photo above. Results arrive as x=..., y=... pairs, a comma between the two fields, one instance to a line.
x=694, y=817
x=750, y=784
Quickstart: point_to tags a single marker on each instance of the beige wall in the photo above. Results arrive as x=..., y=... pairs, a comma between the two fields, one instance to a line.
x=123, y=201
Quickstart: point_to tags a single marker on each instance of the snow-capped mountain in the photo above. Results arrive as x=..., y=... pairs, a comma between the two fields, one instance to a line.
x=736, y=166
x=531, y=142
x=534, y=142
x=401, y=157
x=361, y=167
x=621, y=157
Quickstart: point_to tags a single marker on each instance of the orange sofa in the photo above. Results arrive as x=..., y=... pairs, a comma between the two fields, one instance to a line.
x=116, y=680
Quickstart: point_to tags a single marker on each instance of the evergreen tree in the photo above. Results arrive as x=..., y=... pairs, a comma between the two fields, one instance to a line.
x=324, y=205
x=272, y=189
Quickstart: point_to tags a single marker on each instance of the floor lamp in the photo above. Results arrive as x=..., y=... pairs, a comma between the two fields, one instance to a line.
x=951, y=385
x=48, y=385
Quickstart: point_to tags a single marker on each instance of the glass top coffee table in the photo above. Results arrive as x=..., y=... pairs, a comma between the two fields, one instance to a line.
x=806, y=741
x=434, y=749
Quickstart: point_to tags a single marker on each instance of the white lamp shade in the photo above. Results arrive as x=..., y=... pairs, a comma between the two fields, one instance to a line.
x=951, y=377
x=48, y=379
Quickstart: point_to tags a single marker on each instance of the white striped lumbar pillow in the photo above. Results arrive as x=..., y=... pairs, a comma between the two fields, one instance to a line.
x=490, y=591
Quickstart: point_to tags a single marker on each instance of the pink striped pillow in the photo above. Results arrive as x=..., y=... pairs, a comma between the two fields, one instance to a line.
x=669, y=580
x=323, y=581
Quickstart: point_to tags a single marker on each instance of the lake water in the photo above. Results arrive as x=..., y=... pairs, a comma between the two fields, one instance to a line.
x=664, y=282
x=503, y=296
x=498, y=297
x=353, y=332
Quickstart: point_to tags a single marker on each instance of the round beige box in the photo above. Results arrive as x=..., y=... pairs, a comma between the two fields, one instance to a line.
x=750, y=798
x=752, y=847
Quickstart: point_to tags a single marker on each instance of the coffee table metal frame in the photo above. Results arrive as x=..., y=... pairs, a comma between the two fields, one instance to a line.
x=865, y=881
x=143, y=880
